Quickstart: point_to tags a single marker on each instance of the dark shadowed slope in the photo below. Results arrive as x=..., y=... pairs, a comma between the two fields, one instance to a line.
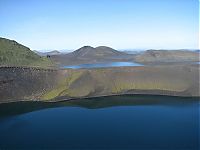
x=15, y=54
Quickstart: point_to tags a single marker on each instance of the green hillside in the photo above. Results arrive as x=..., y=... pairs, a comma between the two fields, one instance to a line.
x=15, y=54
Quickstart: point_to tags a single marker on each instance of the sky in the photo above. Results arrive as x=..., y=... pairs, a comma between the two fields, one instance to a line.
x=120, y=24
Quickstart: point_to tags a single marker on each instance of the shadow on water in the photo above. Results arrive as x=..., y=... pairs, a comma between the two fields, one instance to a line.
x=16, y=108
x=135, y=122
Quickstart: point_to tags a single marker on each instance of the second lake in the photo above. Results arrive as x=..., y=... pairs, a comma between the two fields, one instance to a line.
x=103, y=65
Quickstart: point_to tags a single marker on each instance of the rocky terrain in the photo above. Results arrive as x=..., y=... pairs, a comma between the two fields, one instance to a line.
x=17, y=84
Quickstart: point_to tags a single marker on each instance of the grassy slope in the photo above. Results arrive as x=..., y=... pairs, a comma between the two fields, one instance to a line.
x=52, y=84
x=178, y=80
x=15, y=54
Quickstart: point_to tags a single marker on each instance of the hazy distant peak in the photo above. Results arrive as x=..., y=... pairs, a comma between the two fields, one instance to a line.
x=103, y=47
x=54, y=51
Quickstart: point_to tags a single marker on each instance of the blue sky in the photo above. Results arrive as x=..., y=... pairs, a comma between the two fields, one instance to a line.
x=121, y=24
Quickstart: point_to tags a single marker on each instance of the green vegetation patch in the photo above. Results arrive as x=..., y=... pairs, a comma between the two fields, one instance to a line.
x=163, y=84
x=62, y=89
x=15, y=54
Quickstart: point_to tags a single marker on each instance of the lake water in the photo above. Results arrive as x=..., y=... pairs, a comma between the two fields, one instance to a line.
x=117, y=122
x=103, y=65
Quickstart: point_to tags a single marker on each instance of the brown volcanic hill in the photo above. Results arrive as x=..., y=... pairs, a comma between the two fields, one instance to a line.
x=108, y=51
x=88, y=54
x=91, y=52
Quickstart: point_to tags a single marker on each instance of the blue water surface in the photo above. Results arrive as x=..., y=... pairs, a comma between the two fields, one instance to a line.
x=104, y=65
x=127, y=126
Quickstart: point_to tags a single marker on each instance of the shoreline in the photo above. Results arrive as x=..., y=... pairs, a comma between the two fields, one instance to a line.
x=104, y=96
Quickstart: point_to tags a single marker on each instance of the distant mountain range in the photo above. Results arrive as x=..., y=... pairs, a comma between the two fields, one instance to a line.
x=88, y=54
x=133, y=51
x=13, y=53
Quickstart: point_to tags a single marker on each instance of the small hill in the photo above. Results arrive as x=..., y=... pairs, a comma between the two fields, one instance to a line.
x=98, y=52
x=88, y=54
x=15, y=54
x=38, y=53
x=155, y=56
x=54, y=52
x=84, y=51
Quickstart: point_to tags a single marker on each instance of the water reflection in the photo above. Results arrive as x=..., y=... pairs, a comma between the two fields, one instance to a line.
x=15, y=108
x=116, y=122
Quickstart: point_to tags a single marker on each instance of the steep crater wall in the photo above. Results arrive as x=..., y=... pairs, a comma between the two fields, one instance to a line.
x=37, y=84
x=21, y=83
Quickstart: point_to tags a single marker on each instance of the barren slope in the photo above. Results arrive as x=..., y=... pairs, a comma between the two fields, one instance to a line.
x=53, y=85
